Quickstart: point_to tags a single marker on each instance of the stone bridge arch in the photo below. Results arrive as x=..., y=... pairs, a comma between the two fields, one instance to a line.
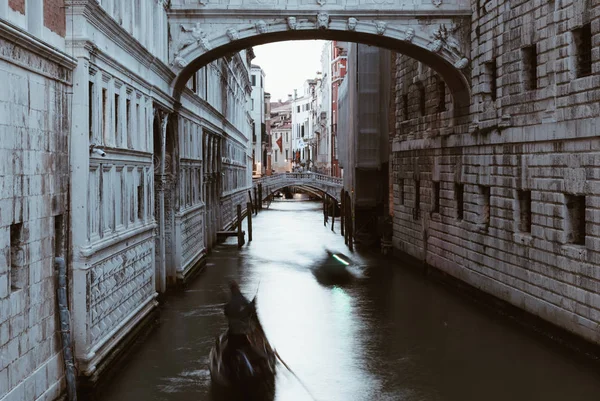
x=320, y=183
x=434, y=32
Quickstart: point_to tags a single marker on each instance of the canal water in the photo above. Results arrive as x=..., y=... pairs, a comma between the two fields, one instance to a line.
x=389, y=334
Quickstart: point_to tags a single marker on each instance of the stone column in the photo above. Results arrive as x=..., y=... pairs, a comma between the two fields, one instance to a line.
x=161, y=271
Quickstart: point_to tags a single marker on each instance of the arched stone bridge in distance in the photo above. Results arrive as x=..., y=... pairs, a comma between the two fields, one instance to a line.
x=434, y=32
x=319, y=183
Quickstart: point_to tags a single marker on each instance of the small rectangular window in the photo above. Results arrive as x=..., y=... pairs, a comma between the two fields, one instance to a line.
x=459, y=195
x=435, y=197
x=485, y=194
x=417, y=206
x=401, y=190
x=117, y=128
x=530, y=78
x=575, y=219
x=441, y=95
x=492, y=77
x=422, y=100
x=253, y=80
x=524, y=211
x=18, y=270
x=104, y=113
x=276, y=156
x=140, y=202
x=91, y=110
x=582, y=39
x=405, y=107
x=128, y=123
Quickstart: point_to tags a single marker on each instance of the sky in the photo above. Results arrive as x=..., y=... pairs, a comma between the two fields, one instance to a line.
x=288, y=64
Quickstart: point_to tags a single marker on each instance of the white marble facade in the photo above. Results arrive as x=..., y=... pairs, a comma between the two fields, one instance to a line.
x=89, y=116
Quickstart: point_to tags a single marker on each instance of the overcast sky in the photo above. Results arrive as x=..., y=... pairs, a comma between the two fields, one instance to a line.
x=288, y=64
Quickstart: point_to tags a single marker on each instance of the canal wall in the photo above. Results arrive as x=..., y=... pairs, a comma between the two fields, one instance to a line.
x=510, y=204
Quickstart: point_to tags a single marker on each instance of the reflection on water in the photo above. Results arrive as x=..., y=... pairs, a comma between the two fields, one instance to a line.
x=388, y=334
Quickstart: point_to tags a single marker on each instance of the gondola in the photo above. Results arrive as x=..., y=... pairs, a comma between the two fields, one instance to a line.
x=250, y=374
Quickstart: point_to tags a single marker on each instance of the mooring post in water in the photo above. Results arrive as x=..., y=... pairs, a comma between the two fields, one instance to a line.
x=324, y=210
x=250, y=195
x=342, y=217
x=350, y=229
x=239, y=226
x=260, y=198
x=333, y=202
x=249, y=214
x=255, y=200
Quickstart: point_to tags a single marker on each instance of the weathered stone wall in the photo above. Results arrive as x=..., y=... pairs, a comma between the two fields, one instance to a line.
x=512, y=207
x=34, y=168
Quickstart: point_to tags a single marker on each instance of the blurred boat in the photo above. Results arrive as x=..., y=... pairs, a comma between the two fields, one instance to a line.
x=249, y=371
x=333, y=270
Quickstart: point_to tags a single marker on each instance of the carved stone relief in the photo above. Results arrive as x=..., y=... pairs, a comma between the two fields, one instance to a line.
x=322, y=20
x=352, y=22
x=292, y=23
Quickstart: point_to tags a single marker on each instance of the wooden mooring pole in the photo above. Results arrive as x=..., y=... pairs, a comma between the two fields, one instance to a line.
x=255, y=200
x=260, y=198
x=240, y=233
x=249, y=214
x=333, y=202
x=342, y=213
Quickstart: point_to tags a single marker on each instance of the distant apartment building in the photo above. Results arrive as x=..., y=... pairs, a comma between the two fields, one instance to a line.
x=303, y=115
x=257, y=113
x=281, y=135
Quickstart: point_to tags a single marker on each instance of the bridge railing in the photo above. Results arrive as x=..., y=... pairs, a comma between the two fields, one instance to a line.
x=308, y=177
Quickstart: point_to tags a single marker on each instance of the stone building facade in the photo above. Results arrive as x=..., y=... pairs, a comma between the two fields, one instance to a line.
x=506, y=198
x=102, y=166
x=36, y=79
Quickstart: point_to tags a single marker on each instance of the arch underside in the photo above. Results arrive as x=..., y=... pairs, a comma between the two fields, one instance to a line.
x=408, y=37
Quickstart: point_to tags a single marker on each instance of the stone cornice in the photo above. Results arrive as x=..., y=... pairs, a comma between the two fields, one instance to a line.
x=101, y=20
x=51, y=62
x=309, y=11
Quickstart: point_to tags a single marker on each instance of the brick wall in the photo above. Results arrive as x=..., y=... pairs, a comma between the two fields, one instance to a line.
x=34, y=171
x=54, y=16
x=17, y=5
x=528, y=170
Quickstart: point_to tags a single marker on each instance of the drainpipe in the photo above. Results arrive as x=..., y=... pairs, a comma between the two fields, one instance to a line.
x=65, y=328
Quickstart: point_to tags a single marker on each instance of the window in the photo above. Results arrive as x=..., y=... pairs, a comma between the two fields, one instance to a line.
x=405, y=106
x=417, y=206
x=253, y=80
x=524, y=211
x=575, y=219
x=441, y=86
x=104, y=113
x=459, y=194
x=91, y=110
x=251, y=104
x=117, y=130
x=582, y=40
x=485, y=194
x=195, y=82
x=421, y=90
x=302, y=131
x=18, y=277
x=436, y=197
x=128, y=122
x=275, y=156
x=287, y=156
x=401, y=190
x=492, y=77
x=298, y=109
x=530, y=67
x=287, y=137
